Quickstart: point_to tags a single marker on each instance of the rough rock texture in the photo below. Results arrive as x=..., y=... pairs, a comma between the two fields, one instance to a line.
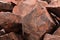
x=51, y=37
x=37, y=23
x=29, y=19
x=10, y=36
x=22, y=9
x=9, y=1
x=10, y=16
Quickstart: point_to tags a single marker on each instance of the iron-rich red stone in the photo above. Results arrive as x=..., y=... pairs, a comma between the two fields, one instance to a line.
x=10, y=36
x=51, y=37
x=24, y=8
x=37, y=23
x=10, y=16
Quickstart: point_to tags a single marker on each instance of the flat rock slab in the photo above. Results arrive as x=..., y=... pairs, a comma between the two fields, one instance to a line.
x=23, y=8
x=37, y=22
x=9, y=1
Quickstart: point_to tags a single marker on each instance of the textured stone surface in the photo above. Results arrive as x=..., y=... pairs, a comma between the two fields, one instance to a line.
x=10, y=16
x=9, y=1
x=43, y=3
x=29, y=19
x=10, y=22
x=10, y=36
x=55, y=2
x=51, y=37
x=23, y=8
x=37, y=23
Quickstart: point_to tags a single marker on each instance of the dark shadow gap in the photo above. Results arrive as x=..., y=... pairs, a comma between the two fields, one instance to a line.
x=5, y=7
x=55, y=27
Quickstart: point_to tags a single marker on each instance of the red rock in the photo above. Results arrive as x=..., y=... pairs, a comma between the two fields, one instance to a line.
x=37, y=23
x=43, y=3
x=12, y=27
x=51, y=37
x=13, y=36
x=55, y=2
x=48, y=1
x=9, y=1
x=10, y=22
x=24, y=8
x=30, y=2
x=10, y=16
x=10, y=36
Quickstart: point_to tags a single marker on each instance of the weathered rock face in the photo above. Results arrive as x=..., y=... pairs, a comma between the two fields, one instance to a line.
x=12, y=27
x=9, y=1
x=51, y=37
x=43, y=3
x=24, y=8
x=30, y=2
x=37, y=23
x=10, y=16
x=30, y=19
x=55, y=2
x=10, y=22
x=10, y=36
